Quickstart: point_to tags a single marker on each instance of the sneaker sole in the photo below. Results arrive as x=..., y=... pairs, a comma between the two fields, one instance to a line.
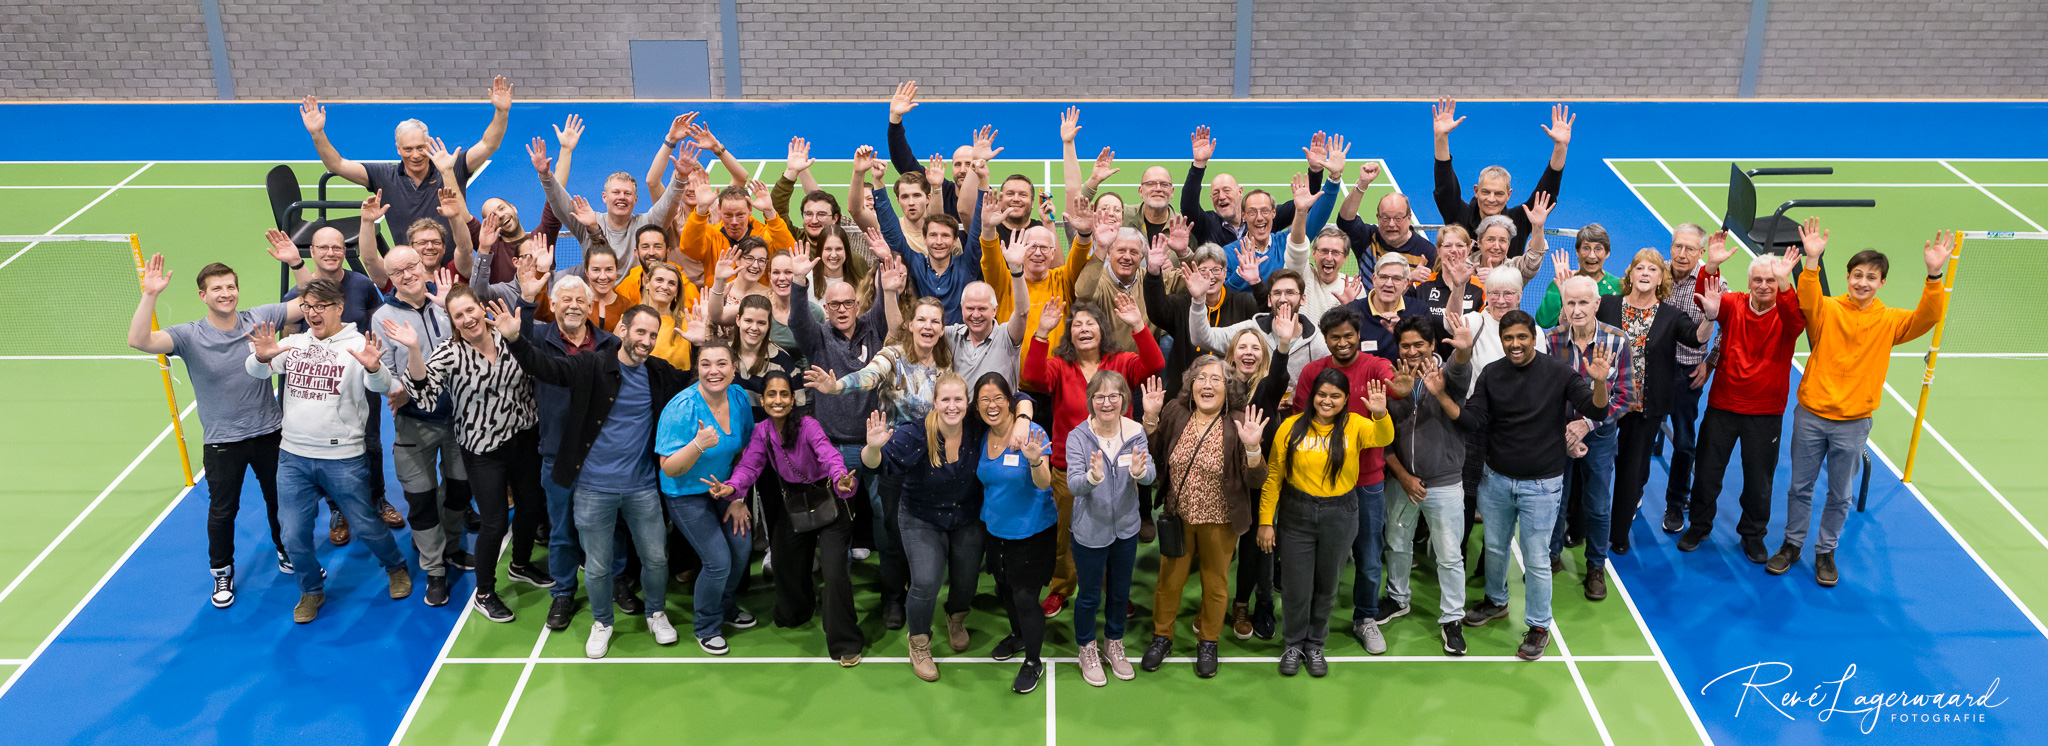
x=219, y=604
x=1467, y=621
x=529, y=580
x=487, y=615
x=703, y=647
x=1397, y=614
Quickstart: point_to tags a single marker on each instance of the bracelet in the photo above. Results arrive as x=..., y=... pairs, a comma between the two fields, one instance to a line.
x=1038, y=463
x=1930, y=278
x=671, y=143
x=301, y=265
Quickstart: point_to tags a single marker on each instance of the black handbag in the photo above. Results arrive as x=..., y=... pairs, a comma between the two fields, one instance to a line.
x=810, y=506
x=1172, y=530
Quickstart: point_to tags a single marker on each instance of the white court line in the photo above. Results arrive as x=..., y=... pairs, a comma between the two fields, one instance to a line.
x=1996, y=579
x=1858, y=185
x=109, y=575
x=433, y=672
x=13, y=661
x=974, y=659
x=1994, y=197
x=151, y=358
x=1657, y=653
x=1782, y=159
x=1052, y=723
x=307, y=187
x=81, y=211
x=1967, y=466
x=511, y=704
x=111, y=486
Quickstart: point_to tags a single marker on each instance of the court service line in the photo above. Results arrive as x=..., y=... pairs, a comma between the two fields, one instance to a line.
x=151, y=358
x=1657, y=652
x=433, y=672
x=1858, y=185
x=90, y=507
x=81, y=211
x=1564, y=652
x=95, y=591
x=1996, y=579
x=1994, y=197
x=978, y=659
x=512, y=703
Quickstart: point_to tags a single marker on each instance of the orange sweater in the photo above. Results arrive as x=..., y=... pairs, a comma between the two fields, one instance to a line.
x=1059, y=280
x=703, y=242
x=1852, y=346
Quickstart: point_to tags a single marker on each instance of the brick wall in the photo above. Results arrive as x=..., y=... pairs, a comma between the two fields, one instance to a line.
x=1837, y=48
x=103, y=49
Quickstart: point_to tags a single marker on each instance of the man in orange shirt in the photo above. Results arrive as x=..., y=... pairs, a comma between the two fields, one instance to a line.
x=704, y=241
x=1852, y=336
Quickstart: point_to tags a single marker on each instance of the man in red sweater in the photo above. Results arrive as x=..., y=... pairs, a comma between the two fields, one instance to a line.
x=1752, y=377
x=1341, y=327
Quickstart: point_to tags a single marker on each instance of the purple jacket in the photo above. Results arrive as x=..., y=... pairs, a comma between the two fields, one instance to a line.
x=813, y=459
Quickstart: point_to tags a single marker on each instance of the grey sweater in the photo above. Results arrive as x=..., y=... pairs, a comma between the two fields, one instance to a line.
x=1427, y=440
x=1105, y=513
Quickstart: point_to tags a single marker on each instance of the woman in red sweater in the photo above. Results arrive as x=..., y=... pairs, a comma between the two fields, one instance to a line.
x=1063, y=374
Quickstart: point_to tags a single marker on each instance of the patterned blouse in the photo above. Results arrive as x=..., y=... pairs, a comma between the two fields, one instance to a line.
x=493, y=401
x=906, y=388
x=1636, y=323
x=1198, y=465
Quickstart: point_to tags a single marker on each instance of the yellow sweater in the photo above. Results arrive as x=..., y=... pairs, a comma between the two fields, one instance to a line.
x=1307, y=468
x=1852, y=346
x=1058, y=282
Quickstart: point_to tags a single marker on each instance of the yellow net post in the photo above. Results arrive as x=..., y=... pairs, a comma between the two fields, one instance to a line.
x=163, y=365
x=1948, y=285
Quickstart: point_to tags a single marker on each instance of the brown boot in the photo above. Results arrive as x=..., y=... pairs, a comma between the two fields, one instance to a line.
x=956, y=631
x=308, y=608
x=401, y=582
x=337, y=530
x=1596, y=583
x=391, y=517
x=921, y=662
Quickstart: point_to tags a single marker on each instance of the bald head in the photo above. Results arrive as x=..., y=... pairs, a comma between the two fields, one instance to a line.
x=408, y=273
x=1156, y=187
x=978, y=308
x=1394, y=219
x=1225, y=195
x=329, y=249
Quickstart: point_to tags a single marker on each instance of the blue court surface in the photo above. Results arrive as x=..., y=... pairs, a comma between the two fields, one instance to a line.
x=1930, y=638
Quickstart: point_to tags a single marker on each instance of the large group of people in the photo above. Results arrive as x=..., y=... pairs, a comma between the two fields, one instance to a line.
x=950, y=375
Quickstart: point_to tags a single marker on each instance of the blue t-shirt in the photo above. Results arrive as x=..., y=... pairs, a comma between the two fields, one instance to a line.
x=678, y=426
x=619, y=459
x=1013, y=506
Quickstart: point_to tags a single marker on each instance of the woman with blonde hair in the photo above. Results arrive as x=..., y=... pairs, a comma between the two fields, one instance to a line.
x=939, y=513
x=1264, y=373
x=1653, y=329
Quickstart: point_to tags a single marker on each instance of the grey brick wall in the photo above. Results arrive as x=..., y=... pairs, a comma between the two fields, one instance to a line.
x=1629, y=48
x=392, y=49
x=103, y=49
x=1837, y=48
x=835, y=49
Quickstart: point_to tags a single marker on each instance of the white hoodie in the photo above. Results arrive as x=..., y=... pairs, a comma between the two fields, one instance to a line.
x=324, y=406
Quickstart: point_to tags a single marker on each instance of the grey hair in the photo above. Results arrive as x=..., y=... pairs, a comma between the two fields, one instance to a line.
x=1128, y=233
x=571, y=283
x=1500, y=220
x=1331, y=231
x=1497, y=171
x=1208, y=252
x=1578, y=281
x=410, y=124
x=1692, y=228
x=1503, y=277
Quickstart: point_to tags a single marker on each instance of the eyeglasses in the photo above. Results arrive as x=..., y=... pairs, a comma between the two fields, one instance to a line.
x=753, y=260
x=407, y=268
x=994, y=400
x=1157, y=184
x=835, y=305
x=428, y=242
x=1107, y=398
x=328, y=247
x=817, y=216
x=311, y=307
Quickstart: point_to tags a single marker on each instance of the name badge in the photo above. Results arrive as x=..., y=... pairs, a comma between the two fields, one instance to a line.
x=1009, y=459
x=1124, y=461
x=1370, y=345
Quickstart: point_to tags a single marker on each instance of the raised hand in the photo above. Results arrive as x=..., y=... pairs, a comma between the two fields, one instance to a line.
x=1937, y=252
x=1080, y=214
x=1105, y=166
x=760, y=198
x=1318, y=151
x=703, y=137
x=1433, y=376
x=370, y=355
x=1812, y=239
x=1202, y=145
x=706, y=195
x=501, y=93
x=374, y=207
x=823, y=381
x=1302, y=196
x=1444, y=116
x=1153, y=393
x=847, y=483
x=1718, y=251
x=312, y=114
x=438, y=154
x=895, y=276
x=532, y=279
x=502, y=317
x=1349, y=289
x=1050, y=315
x=1248, y=264
x=1070, y=124
x=863, y=157
x=580, y=209
x=694, y=329
x=402, y=335
x=1376, y=397
x=1338, y=149
x=1128, y=311
x=934, y=172
x=903, y=100
x=1141, y=464
x=1286, y=326
x=538, y=152
x=1560, y=129
x=679, y=128
x=281, y=247
x=799, y=159
x=1461, y=332
x=1096, y=468
x=1599, y=363
x=451, y=203
x=1561, y=265
x=718, y=488
x=491, y=225
x=155, y=278
x=1177, y=229
x=1155, y=254
x=536, y=246
x=985, y=143
x=1013, y=251
x=685, y=160
x=1252, y=427
x=1199, y=286
x=1368, y=172
x=878, y=428
x=444, y=280
x=263, y=342
x=1405, y=372
x=1540, y=205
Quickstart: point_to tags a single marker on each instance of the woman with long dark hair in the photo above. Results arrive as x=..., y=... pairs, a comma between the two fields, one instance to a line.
x=1018, y=511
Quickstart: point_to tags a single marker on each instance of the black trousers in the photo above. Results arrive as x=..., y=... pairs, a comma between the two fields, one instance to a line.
x=1475, y=472
x=1631, y=472
x=513, y=466
x=226, y=464
x=796, y=590
x=1022, y=568
x=895, y=567
x=1720, y=430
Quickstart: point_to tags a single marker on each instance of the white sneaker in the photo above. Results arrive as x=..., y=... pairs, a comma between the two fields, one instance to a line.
x=743, y=620
x=860, y=554
x=601, y=639
x=224, y=587
x=1091, y=665
x=714, y=645
x=664, y=633
x=1368, y=632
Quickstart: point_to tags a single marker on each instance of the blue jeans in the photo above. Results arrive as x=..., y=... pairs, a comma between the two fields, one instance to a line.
x=1596, y=506
x=302, y=484
x=596, y=515
x=934, y=553
x=1091, y=564
x=1531, y=503
x=1365, y=551
x=1817, y=443
x=1685, y=415
x=565, y=543
x=1444, y=509
x=725, y=552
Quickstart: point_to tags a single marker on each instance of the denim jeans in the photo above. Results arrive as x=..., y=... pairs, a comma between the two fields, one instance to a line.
x=725, y=551
x=1444, y=508
x=302, y=484
x=1312, y=535
x=1528, y=507
x=226, y=463
x=935, y=553
x=1092, y=565
x=888, y=541
x=1685, y=417
x=1597, y=504
x=1817, y=443
x=565, y=549
x=596, y=515
x=1366, y=554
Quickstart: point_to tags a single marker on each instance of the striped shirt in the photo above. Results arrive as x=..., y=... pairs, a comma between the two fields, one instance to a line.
x=1682, y=289
x=493, y=401
x=1620, y=395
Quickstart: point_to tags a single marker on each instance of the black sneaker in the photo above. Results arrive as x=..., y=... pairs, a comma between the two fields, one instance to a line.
x=742, y=620
x=492, y=607
x=627, y=603
x=1205, y=659
x=1317, y=667
x=1617, y=548
x=1533, y=644
x=471, y=522
x=1572, y=541
x=1027, y=677
x=1486, y=611
x=1290, y=661
x=1008, y=648
x=893, y=615
x=529, y=574
x=437, y=590
x=1388, y=609
x=1824, y=571
x=560, y=611
x=224, y=587
x=1753, y=549
x=461, y=560
x=1782, y=562
x=1454, y=638
x=1155, y=653
x=1263, y=621
x=1690, y=541
x=1673, y=522
x=1557, y=565
x=284, y=563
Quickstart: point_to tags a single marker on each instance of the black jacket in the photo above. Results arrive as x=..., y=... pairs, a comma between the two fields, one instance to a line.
x=592, y=379
x=1452, y=204
x=1660, y=373
x=1168, y=315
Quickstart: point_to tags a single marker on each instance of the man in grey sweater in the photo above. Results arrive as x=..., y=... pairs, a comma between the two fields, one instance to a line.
x=1427, y=461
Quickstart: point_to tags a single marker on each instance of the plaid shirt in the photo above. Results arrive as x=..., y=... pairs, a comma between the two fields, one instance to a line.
x=1682, y=289
x=1619, y=393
